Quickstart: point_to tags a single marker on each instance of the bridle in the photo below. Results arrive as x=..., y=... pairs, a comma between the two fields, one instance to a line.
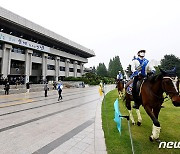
x=174, y=81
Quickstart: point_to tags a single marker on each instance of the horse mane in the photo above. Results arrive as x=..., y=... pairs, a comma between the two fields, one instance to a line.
x=161, y=74
x=154, y=78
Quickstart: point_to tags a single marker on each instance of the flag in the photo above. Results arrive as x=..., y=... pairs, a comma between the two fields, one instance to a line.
x=117, y=115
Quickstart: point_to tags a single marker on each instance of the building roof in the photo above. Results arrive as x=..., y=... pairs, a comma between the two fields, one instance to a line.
x=43, y=33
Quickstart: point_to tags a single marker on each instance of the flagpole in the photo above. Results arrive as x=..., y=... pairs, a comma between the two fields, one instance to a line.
x=130, y=135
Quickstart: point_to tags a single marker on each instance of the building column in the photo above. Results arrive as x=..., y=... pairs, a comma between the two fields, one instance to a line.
x=82, y=68
x=67, y=67
x=57, y=64
x=28, y=64
x=75, y=68
x=6, y=60
x=44, y=66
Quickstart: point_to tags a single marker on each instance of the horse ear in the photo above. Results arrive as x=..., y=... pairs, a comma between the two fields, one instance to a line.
x=162, y=71
x=174, y=69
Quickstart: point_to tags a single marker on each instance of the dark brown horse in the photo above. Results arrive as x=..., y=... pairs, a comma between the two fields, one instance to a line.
x=120, y=87
x=151, y=96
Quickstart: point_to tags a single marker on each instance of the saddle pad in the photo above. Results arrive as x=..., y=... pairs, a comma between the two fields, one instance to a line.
x=129, y=89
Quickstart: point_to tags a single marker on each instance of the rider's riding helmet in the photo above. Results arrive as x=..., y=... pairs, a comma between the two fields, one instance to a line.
x=141, y=53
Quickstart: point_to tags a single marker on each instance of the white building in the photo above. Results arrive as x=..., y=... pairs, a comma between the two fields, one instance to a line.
x=35, y=53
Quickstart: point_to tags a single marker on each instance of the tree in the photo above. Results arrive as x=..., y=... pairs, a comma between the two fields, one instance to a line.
x=102, y=70
x=114, y=67
x=169, y=62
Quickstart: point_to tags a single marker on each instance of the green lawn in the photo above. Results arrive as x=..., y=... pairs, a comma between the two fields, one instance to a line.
x=120, y=144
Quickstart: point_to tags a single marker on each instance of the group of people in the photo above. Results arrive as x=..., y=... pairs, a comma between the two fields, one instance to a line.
x=140, y=68
x=58, y=86
x=12, y=80
x=59, y=89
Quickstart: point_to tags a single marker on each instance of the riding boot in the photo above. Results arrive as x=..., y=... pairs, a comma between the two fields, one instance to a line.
x=134, y=93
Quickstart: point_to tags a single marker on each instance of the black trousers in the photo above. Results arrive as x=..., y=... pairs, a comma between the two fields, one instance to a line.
x=136, y=78
x=7, y=92
x=45, y=93
x=59, y=92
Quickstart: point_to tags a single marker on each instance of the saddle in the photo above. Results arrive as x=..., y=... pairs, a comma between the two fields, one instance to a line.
x=129, y=87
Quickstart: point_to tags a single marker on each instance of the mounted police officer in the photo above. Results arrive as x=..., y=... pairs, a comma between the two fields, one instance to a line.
x=119, y=76
x=140, y=67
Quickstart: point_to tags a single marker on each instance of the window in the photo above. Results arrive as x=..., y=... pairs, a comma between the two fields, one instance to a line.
x=51, y=57
x=37, y=54
x=62, y=59
x=17, y=64
x=71, y=69
x=35, y=66
x=71, y=61
x=50, y=67
x=18, y=50
x=62, y=68
x=78, y=70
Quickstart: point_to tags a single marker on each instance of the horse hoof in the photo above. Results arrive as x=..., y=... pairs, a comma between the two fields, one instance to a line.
x=139, y=123
x=151, y=139
x=133, y=123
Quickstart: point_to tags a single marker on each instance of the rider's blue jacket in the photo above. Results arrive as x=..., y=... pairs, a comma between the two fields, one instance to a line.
x=141, y=66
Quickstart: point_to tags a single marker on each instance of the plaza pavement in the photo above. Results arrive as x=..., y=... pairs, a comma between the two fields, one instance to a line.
x=32, y=123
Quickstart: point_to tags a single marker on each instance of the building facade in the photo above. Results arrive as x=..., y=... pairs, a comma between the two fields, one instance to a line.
x=34, y=53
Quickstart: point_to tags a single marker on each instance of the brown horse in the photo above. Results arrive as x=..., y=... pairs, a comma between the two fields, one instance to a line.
x=120, y=87
x=151, y=96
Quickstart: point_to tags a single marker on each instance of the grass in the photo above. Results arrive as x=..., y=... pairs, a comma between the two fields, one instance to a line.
x=120, y=144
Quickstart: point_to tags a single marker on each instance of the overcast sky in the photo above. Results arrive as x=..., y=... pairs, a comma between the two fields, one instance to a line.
x=109, y=27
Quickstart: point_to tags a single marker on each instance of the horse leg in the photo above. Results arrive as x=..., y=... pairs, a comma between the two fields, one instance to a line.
x=156, y=125
x=120, y=95
x=128, y=106
x=131, y=117
x=156, y=129
x=139, y=117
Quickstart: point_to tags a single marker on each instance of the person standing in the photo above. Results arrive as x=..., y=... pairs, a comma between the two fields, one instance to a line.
x=6, y=88
x=46, y=88
x=101, y=87
x=27, y=87
x=54, y=85
x=59, y=88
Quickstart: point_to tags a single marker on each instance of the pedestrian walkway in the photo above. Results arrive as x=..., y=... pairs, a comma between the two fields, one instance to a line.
x=42, y=125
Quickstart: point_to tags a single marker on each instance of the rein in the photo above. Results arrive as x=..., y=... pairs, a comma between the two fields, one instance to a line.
x=173, y=80
x=164, y=89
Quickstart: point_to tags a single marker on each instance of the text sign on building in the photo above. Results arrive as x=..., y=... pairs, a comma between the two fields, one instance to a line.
x=19, y=41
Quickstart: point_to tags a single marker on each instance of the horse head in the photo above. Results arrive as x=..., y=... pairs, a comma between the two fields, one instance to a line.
x=170, y=85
